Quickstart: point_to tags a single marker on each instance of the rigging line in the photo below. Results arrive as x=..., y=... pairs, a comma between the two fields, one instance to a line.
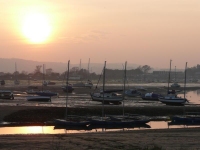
x=126, y=76
x=98, y=80
x=65, y=73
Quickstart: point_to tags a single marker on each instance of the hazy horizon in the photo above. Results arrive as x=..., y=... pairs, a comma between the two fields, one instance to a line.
x=30, y=65
x=137, y=31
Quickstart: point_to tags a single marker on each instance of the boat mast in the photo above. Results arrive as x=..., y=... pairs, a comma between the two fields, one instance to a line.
x=185, y=86
x=15, y=73
x=80, y=65
x=43, y=78
x=185, y=79
x=169, y=76
x=89, y=69
x=175, y=75
x=103, y=87
x=67, y=89
x=124, y=86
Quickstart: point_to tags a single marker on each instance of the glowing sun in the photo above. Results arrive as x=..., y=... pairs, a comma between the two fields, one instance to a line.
x=36, y=27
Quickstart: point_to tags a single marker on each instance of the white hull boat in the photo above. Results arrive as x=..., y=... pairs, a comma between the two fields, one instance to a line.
x=172, y=100
x=107, y=98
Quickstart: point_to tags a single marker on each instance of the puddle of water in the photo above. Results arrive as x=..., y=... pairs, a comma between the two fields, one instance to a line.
x=192, y=96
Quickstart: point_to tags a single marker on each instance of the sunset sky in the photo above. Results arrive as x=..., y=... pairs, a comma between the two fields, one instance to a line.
x=138, y=31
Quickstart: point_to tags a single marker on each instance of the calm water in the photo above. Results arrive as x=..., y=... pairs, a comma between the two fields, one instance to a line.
x=51, y=130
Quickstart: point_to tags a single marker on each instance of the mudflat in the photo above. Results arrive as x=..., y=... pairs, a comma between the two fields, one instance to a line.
x=185, y=138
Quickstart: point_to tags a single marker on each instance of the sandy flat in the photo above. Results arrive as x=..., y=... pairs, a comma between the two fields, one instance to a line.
x=187, y=139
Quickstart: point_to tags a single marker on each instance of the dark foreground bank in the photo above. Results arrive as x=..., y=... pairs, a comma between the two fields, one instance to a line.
x=44, y=114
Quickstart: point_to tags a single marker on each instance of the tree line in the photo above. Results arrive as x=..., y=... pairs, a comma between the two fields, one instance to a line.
x=49, y=74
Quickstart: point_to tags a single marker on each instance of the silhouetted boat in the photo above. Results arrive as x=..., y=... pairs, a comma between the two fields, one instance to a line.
x=6, y=94
x=66, y=123
x=68, y=88
x=69, y=122
x=39, y=98
x=46, y=93
x=192, y=118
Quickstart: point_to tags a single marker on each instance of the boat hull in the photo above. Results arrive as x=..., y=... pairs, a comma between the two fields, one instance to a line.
x=172, y=101
x=39, y=98
x=43, y=93
x=6, y=95
x=68, y=89
x=185, y=120
x=65, y=123
x=106, y=100
x=151, y=96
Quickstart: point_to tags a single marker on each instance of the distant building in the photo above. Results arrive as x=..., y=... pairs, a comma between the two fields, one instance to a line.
x=160, y=72
x=74, y=77
x=198, y=66
x=49, y=71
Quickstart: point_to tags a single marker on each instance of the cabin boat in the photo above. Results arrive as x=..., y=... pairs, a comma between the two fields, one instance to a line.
x=6, y=94
x=151, y=96
x=107, y=96
x=68, y=88
x=175, y=85
x=172, y=99
x=132, y=93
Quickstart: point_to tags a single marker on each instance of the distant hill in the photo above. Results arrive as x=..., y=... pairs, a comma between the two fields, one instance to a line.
x=8, y=65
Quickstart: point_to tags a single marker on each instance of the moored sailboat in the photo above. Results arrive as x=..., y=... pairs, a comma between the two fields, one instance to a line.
x=118, y=121
x=67, y=122
x=107, y=96
x=16, y=81
x=171, y=98
x=175, y=84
